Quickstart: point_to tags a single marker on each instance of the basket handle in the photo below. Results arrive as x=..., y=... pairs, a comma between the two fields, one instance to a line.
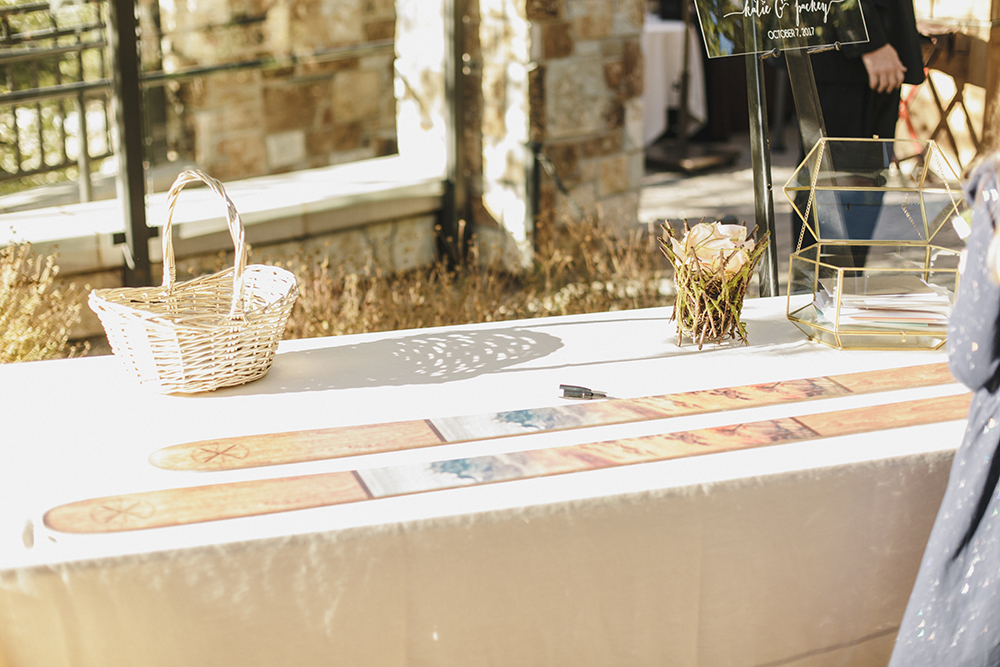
x=235, y=231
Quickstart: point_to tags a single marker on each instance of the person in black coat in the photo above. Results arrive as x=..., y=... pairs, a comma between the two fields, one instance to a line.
x=859, y=84
x=953, y=615
x=859, y=94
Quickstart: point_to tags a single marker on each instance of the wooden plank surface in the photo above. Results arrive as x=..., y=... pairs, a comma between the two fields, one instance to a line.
x=319, y=444
x=172, y=507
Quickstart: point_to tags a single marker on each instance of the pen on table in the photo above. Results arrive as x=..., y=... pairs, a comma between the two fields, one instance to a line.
x=574, y=391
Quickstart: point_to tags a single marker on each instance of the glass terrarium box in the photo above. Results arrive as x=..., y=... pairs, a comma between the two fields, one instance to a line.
x=876, y=262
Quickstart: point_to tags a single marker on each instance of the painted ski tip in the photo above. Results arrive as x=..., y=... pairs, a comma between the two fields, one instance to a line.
x=267, y=449
x=198, y=504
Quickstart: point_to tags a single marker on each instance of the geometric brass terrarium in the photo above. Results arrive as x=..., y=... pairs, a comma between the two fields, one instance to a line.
x=876, y=265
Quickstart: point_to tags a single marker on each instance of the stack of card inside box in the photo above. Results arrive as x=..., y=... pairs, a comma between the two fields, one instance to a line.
x=894, y=301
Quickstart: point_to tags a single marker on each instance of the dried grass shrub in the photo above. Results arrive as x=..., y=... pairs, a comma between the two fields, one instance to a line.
x=584, y=268
x=36, y=313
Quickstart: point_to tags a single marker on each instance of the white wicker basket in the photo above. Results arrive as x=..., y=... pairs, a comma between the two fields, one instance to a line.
x=214, y=331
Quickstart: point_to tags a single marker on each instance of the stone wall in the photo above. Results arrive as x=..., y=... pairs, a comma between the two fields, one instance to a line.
x=543, y=82
x=586, y=107
x=315, y=112
x=562, y=78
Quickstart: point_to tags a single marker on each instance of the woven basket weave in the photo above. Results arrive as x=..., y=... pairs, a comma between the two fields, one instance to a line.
x=214, y=331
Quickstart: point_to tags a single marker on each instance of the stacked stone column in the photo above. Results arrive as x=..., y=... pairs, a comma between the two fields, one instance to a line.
x=253, y=122
x=562, y=78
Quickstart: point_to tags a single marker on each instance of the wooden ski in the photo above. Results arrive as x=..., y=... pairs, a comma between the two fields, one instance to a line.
x=319, y=444
x=174, y=507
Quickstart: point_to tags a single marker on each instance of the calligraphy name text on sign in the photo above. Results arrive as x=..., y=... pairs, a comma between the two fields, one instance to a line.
x=731, y=27
x=753, y=8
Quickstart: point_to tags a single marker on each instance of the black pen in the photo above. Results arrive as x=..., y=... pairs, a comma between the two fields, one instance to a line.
x=574, y=391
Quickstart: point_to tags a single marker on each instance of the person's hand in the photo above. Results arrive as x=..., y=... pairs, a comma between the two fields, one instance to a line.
x=885, y=69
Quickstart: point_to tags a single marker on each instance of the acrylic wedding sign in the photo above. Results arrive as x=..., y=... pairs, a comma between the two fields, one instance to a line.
x=737, y=27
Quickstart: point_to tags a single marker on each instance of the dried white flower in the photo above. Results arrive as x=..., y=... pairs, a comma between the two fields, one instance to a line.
x=715, y=247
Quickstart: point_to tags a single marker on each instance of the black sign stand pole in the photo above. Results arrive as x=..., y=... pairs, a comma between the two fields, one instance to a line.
x=812, y=127
x=806, y=98
x=760, y=154
x=726, y=40
x=129, y=144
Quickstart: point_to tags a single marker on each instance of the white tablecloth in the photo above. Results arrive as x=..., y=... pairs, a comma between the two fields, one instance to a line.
x=663, y=50
x=792, y=554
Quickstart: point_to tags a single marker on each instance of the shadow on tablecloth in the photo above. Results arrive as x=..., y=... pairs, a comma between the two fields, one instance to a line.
x=421, y=358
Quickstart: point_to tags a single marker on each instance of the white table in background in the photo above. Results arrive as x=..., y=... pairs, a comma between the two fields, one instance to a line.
x=663, y=50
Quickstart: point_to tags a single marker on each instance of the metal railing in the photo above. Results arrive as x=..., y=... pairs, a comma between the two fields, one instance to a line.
x=53, y=87
x=60, y=69
x=111, y=90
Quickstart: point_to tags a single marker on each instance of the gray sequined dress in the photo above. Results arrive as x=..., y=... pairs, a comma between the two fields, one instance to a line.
x=953, y=616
